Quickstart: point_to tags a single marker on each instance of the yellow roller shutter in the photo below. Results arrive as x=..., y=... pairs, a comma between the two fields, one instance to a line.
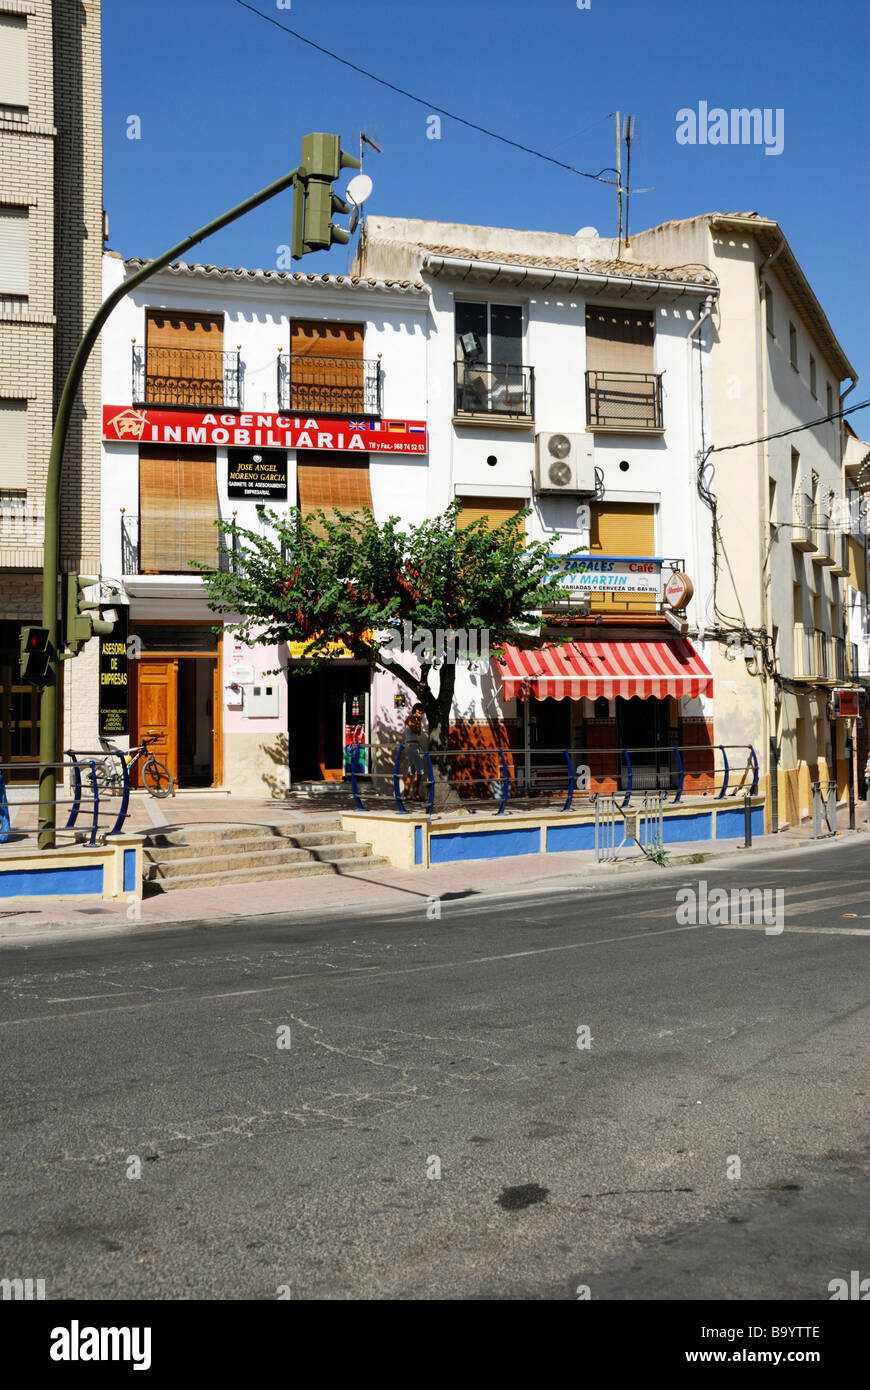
x=497, y=510
x=626, y=528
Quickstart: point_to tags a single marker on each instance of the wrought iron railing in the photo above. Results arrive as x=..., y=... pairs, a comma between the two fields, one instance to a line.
x=329, y=385
x=494, y=388
x=624, y=400
x=186, y=376
x=130, y=555
x=845, y=659
x=822, y=653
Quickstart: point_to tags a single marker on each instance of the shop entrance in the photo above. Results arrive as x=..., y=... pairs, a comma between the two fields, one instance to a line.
x=642, y=728
x=177, y=701
x=19, y=712
x=326, y=711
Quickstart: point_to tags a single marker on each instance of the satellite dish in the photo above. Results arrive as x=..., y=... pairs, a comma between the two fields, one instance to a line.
x=588, y=233
x=354, y=219
x=359, y=188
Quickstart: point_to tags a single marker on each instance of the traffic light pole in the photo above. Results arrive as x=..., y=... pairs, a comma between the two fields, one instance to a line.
x=51, y=559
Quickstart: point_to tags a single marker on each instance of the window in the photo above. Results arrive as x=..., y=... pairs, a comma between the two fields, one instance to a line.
x=813, y=375
x=626, y=528
x=333, y=482
x=768, y=310
x=14, y=94
x=490, y=376
x=13, y=446
x=178, y=508
x=14, y=278
x=496, y=510
x=327, y=373
x=792, y=346
x=622, y=391
x=185, y=363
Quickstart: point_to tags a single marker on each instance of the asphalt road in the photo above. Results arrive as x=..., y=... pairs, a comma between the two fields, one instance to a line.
x=413, y=1039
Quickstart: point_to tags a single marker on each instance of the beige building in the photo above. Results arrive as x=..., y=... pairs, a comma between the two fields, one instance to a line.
x=779, y=616
x=51, y=234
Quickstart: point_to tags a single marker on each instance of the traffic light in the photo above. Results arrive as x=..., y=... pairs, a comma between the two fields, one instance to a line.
x=313, y=199
x=77, y=625
x=35, y=656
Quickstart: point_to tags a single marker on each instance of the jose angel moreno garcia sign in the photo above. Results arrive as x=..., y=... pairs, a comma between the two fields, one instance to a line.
x=262, y=430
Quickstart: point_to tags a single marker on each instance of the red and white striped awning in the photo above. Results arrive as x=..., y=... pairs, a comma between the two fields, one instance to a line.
x=605, y=666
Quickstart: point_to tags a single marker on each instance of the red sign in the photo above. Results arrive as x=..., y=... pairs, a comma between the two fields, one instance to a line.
x=846, y=704
x=259, y=430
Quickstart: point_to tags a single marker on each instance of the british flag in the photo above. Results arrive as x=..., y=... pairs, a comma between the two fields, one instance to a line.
x=357, y=424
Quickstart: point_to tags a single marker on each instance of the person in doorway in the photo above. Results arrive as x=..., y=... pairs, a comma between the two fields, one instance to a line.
x=415, y=762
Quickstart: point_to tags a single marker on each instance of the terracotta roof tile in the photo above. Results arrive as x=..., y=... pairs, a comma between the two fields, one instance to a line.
x=638, y=270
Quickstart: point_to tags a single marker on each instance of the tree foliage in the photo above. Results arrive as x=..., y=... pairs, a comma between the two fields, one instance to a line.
x=345, y=579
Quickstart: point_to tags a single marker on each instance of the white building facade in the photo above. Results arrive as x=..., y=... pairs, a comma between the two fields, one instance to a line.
x=223, y=391
x=535, y=335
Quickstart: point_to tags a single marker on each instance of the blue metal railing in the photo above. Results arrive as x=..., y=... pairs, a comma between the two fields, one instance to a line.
x=569, y=774
x=88, y=796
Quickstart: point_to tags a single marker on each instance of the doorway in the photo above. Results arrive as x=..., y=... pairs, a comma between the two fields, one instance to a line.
x=177, y=702
x=642, y=728
x=19, y=712
x=327, y=710
x=195, y=721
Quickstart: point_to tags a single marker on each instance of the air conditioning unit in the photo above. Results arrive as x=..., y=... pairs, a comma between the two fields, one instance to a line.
x=565, y=463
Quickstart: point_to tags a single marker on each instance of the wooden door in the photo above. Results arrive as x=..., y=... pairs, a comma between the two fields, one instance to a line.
x=157, y=709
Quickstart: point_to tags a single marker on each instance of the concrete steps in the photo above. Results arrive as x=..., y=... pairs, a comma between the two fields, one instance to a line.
x=206, y=856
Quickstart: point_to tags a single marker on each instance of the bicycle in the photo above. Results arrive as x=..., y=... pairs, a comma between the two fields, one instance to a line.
x=156, y=777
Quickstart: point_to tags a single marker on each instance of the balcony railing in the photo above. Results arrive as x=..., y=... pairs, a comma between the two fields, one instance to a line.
x=822, y=668
x=494, y=388
x=644, y=576
x=802, y=533
x=329, y=385
x=624, y=400
x=845, y=659
x=173, y=563
x=186, y=376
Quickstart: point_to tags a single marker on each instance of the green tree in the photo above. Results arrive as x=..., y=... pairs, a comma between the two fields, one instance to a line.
x=343, y=578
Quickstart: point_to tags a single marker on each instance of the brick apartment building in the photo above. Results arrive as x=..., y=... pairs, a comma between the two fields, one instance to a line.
x=51, y=234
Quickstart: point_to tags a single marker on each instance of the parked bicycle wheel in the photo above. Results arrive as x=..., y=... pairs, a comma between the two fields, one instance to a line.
x=157, y=778
x=107, y=775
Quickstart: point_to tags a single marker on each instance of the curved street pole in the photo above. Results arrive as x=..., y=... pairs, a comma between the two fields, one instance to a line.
x=51, y=554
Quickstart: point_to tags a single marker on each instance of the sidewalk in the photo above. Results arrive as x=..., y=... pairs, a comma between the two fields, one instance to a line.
x=384, y=887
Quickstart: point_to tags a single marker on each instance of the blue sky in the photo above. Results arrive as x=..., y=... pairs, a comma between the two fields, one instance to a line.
x=224, y=99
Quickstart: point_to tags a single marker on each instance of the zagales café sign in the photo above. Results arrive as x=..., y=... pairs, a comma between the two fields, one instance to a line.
x=262, y=430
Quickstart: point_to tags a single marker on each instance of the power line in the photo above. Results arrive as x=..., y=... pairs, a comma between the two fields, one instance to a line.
x=430, y=106
x=793, y=429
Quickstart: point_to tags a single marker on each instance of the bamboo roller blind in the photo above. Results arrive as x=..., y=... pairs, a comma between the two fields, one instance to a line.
x=178, y=506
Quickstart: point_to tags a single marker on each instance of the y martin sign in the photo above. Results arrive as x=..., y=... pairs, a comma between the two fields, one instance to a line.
x=263, y=431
